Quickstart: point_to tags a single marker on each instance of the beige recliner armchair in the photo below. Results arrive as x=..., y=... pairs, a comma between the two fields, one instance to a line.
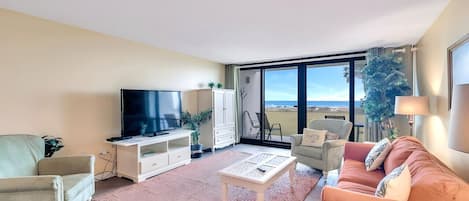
x=329, y=156
x=26, y=175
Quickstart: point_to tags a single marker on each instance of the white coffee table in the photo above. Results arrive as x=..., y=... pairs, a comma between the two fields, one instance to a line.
x=246, y=174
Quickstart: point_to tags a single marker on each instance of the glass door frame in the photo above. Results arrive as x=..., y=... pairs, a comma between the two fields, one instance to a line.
x=302, y=95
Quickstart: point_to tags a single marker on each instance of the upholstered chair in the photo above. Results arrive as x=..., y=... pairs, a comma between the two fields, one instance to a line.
x=329, y=156
x=26, y=175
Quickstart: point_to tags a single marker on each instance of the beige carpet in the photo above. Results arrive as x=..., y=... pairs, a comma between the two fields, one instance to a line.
x=199, y=181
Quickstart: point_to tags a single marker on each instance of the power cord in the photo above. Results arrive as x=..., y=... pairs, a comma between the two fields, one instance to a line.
x=110, y=159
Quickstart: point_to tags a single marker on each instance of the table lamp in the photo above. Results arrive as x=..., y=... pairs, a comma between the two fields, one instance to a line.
x=411, y=106
x=459, y=123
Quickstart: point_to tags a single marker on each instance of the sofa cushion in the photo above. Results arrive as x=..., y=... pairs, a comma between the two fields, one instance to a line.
x=19, y=155
x=356, y=187
x=354, y=171
x=313, y=152
x=377, y=154
x=75, y=184
x=432, y=181
x=395, y=185
x=401, y=148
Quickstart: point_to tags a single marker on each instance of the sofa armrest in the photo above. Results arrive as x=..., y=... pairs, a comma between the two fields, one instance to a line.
x=66, y=165
x=336, y=194
x=31, y=188
x=296, y=139
x=357, y=151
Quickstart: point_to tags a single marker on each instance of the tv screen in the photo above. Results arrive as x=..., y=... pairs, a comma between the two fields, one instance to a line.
x=149, y=112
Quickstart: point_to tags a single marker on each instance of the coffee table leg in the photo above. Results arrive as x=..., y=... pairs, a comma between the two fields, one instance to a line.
x=224, y=191
x=291, y=174
x=260, y=196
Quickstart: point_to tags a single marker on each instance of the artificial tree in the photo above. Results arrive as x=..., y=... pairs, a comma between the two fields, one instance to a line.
x=383, y=80
x=193, y=122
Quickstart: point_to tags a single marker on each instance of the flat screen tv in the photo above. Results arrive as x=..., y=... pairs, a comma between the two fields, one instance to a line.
x=149, y=112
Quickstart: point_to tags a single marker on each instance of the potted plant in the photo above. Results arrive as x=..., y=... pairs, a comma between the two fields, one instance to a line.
x=52, y=145
x=383, y=81
x=193, y=122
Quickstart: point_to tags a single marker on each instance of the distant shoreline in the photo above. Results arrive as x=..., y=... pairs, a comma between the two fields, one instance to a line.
x=310, y=104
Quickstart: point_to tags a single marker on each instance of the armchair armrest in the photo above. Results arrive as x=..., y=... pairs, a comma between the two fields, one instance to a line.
x=328, y=144
x=296, y=139
x=31, y=188
x=66, y=165
x=357, y=151
x=336, y=194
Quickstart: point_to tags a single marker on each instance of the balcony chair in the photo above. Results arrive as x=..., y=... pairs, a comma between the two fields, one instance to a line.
x=329, y=156
x=270, y=127
x=26, y=175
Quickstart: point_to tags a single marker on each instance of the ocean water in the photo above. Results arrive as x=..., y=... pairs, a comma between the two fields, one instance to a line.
x=311, y=103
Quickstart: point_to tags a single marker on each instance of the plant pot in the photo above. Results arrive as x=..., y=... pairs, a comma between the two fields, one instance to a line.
x=196, y=150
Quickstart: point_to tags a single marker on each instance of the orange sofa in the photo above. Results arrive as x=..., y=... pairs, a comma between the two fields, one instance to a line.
x=431, y=179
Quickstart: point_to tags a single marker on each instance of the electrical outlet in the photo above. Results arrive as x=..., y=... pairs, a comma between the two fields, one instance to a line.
x=104, y=152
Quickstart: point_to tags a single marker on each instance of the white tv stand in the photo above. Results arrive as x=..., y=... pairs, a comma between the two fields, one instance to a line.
x=141, y=157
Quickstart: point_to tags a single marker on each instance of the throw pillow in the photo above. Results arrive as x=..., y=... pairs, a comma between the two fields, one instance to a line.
x=332, y=136
x=313, y=137
x=396, y=185
x=377, y=154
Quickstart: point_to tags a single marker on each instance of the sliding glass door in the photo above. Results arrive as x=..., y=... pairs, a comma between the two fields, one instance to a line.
x=280, y=103
x=280, y=100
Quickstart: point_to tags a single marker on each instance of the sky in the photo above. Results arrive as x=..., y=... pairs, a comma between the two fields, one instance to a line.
x=323, y=84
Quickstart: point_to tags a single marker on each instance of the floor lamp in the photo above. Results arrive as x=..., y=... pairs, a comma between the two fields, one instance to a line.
x=411, y=106
x=459, y=124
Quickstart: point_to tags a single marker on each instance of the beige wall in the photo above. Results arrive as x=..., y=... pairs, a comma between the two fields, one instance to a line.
x=433, y=82
x=65, y=81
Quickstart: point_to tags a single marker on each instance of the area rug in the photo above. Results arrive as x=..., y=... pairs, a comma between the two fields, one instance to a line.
x=199, y=181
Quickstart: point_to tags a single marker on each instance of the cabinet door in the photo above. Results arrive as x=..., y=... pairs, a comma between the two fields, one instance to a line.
x=229, y=115
x=218, y=109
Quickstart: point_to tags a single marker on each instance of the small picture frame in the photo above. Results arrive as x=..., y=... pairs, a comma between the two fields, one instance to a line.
x=458, y=65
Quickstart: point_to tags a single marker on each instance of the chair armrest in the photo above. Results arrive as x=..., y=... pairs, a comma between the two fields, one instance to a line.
x=15, y=188
x=336, y=194
x=328, y=144
x=357, y=151
x=296, y=139
x=66, y=165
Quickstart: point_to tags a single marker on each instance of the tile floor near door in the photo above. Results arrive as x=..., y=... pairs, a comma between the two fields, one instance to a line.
x=115, y=182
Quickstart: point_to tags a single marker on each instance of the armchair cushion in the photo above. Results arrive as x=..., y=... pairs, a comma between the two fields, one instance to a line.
x=308, y=151
x=66, y=165
x=31, y=188
x=76, y=184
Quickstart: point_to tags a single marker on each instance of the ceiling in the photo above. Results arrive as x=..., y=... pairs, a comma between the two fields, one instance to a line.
x=243, y=31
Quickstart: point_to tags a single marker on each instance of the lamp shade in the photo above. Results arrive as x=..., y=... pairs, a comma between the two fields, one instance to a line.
x=411, y=105
x=459, y=121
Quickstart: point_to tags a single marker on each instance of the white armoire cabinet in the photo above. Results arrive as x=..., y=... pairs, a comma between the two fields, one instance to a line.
x=220, y=131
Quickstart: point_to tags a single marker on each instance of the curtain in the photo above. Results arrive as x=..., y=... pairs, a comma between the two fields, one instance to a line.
x=231, y=82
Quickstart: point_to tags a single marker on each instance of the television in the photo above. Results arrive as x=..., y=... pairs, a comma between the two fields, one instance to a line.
x=149, y=112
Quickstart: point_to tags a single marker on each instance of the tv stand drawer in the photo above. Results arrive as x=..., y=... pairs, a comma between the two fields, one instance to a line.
x=179, y=155
x=155, y=162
